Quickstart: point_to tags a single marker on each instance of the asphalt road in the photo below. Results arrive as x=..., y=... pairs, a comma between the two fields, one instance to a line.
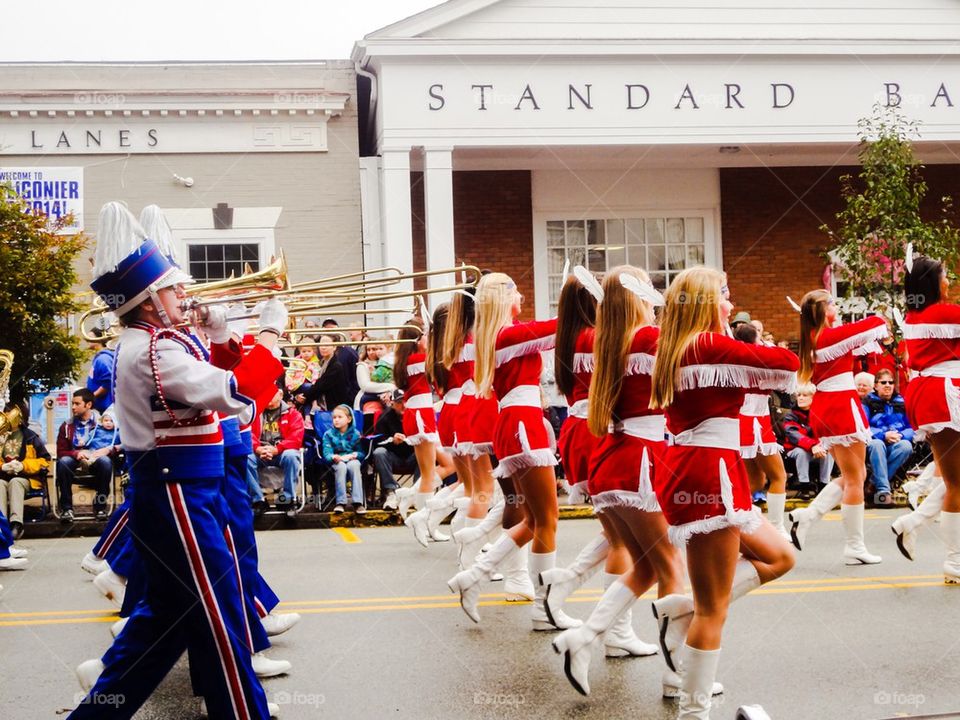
x=381, y=637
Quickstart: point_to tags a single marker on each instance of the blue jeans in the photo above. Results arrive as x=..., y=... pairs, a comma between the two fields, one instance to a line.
x=885, y=459
x=340, y=471
x=102, y=471
x=289, y=461
x=803, y=458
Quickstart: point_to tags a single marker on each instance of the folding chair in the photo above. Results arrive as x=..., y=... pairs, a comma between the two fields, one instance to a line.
x=39, y=488
x=323, y=421
x=85, y=479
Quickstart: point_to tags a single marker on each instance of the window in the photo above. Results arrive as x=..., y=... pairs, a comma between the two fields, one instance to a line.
x=663, y=246
x=216, y=261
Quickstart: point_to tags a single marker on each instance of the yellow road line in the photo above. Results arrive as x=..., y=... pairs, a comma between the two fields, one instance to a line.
x=56, y=612
x=61, y=621
x=347, y=535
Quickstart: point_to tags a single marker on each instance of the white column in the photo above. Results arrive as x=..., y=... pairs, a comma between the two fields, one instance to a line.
x=395, y=218
x=438, y=212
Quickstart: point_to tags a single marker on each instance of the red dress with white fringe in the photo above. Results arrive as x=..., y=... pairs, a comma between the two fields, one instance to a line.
x=933, y=353
x=756, y=427
x=624, y=464
x=836, y=415
x=702, y=484
x=478, y=416
x=520, y=439
x=453, y=402
x=576, y=443
x=419, y=417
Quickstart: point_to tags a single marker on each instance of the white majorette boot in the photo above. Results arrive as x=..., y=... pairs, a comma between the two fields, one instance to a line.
x=467, y=583
x=478, y=533
x=404, y=497
x=459, y=519
x=775, y=505
x=467, y=552
x=539, y=563
x=278, y=623
x=93, y=564
x=112, y=586
x=950, y=530
x=418, y=523
x=803, y=519
x=700, y=668
x=438, y=507
x=923, y=485
x=517, y=585
x=560, y=583
x=674, y=614
x=907, y=526
x=620, y=640
x=576, y=644
x=855, y=551
x=745, y=579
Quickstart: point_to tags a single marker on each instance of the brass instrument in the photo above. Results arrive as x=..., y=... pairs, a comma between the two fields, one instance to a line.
x=6, y=370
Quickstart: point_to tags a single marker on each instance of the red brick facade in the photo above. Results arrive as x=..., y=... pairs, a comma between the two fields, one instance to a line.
x=493, y=225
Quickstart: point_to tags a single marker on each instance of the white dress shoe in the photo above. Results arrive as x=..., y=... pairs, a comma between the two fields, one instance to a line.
x=118, y=626
x=112, y=586
x=88, y=673
x=93, y=564
x=16, y=552
x=264, y=667
x=279, y=623
x=13, y=563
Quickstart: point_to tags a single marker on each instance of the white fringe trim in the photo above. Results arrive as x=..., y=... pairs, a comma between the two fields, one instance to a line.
x=625, y=498
x=851, y=344
x=583, y=362
x=832, y=441
x=765, y=449
x=747, y=521
x=640, y=364
x=509, y=466
x=742, y=376
x=871, y=348
x=530, y=347
x=923, y=331
x=423, y=437
x=481, y=449
x=952, y=395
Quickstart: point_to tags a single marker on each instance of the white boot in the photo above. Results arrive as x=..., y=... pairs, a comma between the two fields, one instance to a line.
x=419, y=524
x=560, y=583
x=803, y=519
x=855, y=551
x=517, y=586
x=673, y=613
x=467, y=552
x=751, y=712
x=13, y=563
x=88, y=672
x=467, y=582
x=278, y=623
x=700, y=668
x=775, y=505
x=924, y=484
x=112, y=586
x=950, y=530
x=576, y=644
x=540, y=562
x=745, y=579
x=404, y=499
x=906, y=527
x=620, y=640
x=93, y=564
x=459, y=519
x=480, y=532
x=264, y=667
x=439, y=506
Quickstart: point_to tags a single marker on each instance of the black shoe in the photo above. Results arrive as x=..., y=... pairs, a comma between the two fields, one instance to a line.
x=66, y=517
x=259, y=507
x=806, y=492
x=16, y=529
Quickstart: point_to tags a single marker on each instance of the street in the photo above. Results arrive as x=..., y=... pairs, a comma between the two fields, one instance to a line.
x=381, y=636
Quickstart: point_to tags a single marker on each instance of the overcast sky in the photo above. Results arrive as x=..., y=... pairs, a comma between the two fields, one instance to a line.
x=98, y=30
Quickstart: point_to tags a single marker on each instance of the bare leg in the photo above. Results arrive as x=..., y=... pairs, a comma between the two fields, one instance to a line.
x=772, y=467
x=426, y=454
x=755, y=474
x=482, y=478
x=538, y=497
x=853, y=471
x=946, y=453
x=771, y=555
x=711, y=559
x=645, y=536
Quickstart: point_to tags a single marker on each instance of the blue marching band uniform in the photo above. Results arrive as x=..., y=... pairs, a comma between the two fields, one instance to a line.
x=189, y=531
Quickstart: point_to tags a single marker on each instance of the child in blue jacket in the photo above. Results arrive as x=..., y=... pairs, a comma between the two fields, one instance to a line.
x=341, y=448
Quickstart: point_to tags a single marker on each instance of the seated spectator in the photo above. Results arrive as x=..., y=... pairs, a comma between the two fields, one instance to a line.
x=277, y=439
x=341, y=448
x=106, y=438
x=864, y=382
x=368, y=367
x=346, y=355
x=803, y=446
x=25, y=463
x=892, y=443
x=100, y=379
x=331, y=387
x=391, y=454
x=74, y=452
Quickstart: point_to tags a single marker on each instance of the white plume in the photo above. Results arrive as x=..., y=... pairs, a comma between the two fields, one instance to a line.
x=424, y=311
x=586, y=278
x=157, y=228
x=566, y=268
x=908, y=257
x=642, y=290
x=118, y=235
x=898, y=316
x=793, y=304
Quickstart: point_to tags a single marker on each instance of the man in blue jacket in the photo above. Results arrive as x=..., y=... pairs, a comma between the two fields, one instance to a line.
x=100, y=378
x=892, y=443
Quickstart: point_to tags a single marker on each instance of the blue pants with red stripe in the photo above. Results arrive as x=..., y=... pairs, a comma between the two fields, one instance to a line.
x=192, y=601
x=6, y=537
x=116, y=530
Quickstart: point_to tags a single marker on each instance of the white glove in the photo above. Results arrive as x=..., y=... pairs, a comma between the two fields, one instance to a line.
x=7, y=467
x=214, y=324
x=273, y=316
x=238, y=328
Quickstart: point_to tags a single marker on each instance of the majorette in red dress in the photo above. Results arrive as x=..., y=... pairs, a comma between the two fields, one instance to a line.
x=419, y=417
x=576, y=443
x=701, y=483
x=477, y=417
x=756, y=428
x=836, y=415
x=624, y=464
x=933, y=354
x=454, y=401
x=520, y=439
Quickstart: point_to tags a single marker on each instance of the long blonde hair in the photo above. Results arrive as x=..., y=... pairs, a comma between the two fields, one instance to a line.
x=494, y=304
x=459, y=325
x=619, y=317
x=692, y=307
x=813, y=318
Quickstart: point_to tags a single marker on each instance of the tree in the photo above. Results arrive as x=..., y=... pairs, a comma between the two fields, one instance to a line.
x=882, y=215
x=36, y=294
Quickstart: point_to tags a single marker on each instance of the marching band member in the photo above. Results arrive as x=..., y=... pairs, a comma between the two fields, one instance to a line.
x=508, y=363
x=622, y=473
x=168, y=400
x=699, y=379
x=827, y=352
x=932, y=334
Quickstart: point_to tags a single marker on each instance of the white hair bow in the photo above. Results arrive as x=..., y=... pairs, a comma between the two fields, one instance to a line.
x=642, y=290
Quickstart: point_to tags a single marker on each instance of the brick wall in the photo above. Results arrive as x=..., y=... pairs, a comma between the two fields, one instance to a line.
x=493, y=225
x=772, y=245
